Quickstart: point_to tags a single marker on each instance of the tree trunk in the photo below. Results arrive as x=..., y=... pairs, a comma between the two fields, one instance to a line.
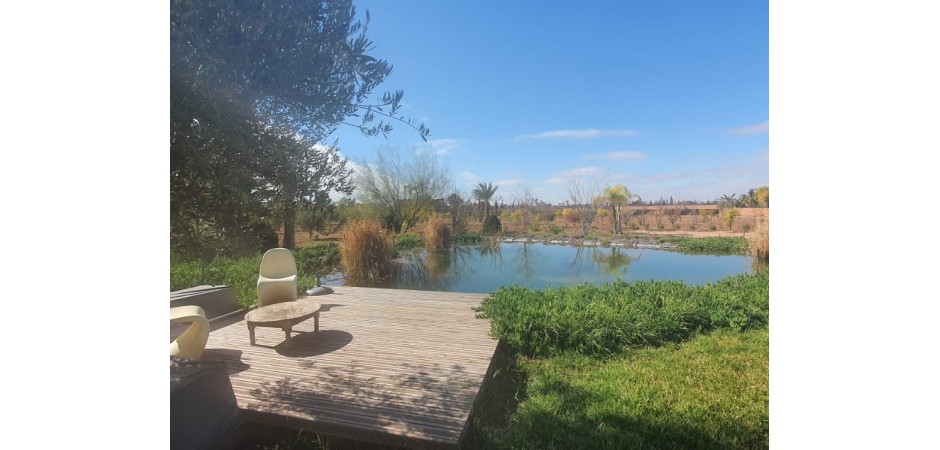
x=613, y=217
x=290, y=216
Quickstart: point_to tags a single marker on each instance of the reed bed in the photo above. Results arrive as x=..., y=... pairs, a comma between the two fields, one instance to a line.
x=365, y=250
x=759, y=240
x=437, y=234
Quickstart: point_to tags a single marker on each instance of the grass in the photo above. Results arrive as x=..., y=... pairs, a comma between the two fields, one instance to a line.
x=710, y=392
x=241, y=273
x=712, y=245
x=407, y=241
x=365, y=250
x=647, y=365
x=609, y=319
x=467, y=238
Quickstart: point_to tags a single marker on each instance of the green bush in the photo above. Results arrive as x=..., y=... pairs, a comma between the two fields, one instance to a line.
x=609, y=319
x=711, y=245
x=467, y=239
x=408, y=241
x=318, y=259
x=241, y=273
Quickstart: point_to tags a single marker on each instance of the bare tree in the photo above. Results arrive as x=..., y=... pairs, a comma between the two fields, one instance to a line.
x=401, y=186
x=526, y=200
x=582, y=192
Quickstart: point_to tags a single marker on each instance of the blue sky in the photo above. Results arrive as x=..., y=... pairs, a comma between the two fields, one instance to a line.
x=668, y=98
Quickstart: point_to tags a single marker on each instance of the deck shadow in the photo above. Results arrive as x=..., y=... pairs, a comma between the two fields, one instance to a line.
x=307, y=344
x=232, y=359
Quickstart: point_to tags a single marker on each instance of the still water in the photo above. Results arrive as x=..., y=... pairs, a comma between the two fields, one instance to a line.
x=536, y=265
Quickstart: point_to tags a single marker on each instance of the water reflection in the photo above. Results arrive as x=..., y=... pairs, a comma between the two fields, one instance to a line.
x=615, y=262
x=484, y=268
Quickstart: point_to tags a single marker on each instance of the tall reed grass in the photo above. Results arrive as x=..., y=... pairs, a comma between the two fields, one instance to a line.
x=365, y=250
x=437, y=234
x=759, y=240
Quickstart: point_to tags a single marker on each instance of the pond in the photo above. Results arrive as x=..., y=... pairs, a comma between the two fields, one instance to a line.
x=537, y=265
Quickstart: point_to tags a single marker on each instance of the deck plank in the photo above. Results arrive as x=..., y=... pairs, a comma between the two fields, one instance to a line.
x=394, y=367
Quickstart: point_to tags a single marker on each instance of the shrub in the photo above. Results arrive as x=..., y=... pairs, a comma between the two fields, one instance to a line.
x=711, y=245
x=730, y=215
x=555, y=229
x=609, y=319
x=437, y=234
x=408, y=241
x=365, y=250
x=570, y=215
x=467, y=238
x=241, y=273
x=317, y=260
x=492, y=225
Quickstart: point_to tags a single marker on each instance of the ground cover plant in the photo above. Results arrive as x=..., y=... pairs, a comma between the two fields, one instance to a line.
x=709, y=392
x=609, y=319
x=711, y=245
x=241, y=273
x=407, y=241
x=467, y=238
x=629, y=365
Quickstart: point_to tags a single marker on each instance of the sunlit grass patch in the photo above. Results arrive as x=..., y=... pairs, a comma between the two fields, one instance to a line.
x=709, y=392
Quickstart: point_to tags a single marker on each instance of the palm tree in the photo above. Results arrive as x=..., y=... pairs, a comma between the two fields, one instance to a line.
x=727, y=201
x=748, y=200
x=484, y=192
x=615, y=197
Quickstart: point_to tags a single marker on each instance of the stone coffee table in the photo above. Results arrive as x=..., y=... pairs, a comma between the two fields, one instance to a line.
x=284, y=316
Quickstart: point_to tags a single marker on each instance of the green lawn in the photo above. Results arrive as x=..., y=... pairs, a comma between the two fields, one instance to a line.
x=710, y=392
x=650, y=365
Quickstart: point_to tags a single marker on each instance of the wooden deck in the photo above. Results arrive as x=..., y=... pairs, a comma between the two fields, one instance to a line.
x=393, y=367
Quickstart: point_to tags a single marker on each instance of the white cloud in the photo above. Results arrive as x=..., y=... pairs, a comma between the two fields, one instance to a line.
x=577, y=134
x=585, y=171
x=469, y=178
x=750, y=130
x=625, y=154
x=444, y=146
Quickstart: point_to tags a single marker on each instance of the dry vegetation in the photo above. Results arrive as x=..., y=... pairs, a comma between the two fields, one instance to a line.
x=693, y=220
x=437, y=233
x=700, y=220
x=759, y=240
x=365, y=250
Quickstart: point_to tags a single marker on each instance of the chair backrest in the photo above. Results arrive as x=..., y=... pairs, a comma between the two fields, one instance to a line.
x=278, y=263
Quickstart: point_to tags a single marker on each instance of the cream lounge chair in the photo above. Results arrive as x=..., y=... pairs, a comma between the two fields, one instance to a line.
x=277, y=278
x=192, y=342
